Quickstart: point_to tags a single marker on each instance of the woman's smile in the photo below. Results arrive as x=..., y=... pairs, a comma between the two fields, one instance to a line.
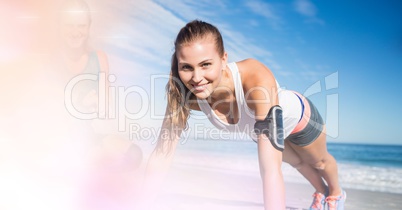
x=200, y=87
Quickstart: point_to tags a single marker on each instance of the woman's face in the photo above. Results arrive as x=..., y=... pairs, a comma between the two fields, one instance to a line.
x=74, y=28
x=200, y=66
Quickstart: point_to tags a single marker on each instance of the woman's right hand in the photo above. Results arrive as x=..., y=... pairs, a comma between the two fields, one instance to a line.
x=159, y=163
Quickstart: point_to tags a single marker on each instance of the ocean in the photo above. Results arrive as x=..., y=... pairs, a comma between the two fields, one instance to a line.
x=367, y=167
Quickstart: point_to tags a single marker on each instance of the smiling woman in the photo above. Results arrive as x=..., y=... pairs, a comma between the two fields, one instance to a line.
x=74, y=56
x=244, y=97
x=201, y=78
x=75, y=20
x=186, y=65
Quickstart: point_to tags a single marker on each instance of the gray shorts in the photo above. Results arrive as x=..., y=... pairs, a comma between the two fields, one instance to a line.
x=312, y=130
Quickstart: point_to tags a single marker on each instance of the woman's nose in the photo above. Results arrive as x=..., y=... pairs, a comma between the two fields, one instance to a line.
x=75, y=32
x=197, y=76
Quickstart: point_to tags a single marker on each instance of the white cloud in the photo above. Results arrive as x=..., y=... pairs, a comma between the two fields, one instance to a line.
x=304, y=71
x=308, y=10
x=305, y=7
x=149, y=29
x=262, y=8
x=266, y=10
x=189, y=9
x=240, y=47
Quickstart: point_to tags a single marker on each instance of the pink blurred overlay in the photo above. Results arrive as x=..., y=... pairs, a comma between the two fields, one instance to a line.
x=48, y=158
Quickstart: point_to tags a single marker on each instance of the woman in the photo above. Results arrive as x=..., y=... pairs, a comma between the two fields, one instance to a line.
x=112, y=160
x=76, y=57
x=244, y=96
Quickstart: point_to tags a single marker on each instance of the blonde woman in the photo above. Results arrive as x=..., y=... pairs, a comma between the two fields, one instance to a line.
x=244, y=96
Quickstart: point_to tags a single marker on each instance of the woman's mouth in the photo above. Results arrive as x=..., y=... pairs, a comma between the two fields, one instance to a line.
x=200, y=87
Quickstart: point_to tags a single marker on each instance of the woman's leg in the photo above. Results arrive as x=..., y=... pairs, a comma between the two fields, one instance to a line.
x=311, y=174
x=316, y=156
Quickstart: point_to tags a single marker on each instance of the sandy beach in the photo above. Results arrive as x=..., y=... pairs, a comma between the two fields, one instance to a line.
x=196, y=188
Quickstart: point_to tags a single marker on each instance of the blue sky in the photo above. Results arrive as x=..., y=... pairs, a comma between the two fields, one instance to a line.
x=344, y=55
x=358, y=42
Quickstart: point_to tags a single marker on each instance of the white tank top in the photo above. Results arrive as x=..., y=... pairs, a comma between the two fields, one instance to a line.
x=290, y=103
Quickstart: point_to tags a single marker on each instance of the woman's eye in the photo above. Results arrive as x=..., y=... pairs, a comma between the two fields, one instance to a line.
x=206, y=64
x=186, y=67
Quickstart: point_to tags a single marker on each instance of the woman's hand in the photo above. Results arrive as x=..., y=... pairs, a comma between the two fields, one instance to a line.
x=159, y=162
x=270, y=160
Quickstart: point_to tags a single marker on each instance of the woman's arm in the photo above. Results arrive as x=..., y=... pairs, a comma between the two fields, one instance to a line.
x=262, y=94
x=270, y=160
x=103, y=103
x=159, y=162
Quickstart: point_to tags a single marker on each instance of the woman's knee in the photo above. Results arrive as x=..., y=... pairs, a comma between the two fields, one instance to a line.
x=319, y=165
x=323, y=162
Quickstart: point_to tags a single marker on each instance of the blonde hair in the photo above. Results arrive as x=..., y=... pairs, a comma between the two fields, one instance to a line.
x=178, y=95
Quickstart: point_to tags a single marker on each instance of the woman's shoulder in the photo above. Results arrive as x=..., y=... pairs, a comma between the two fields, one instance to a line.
x=100, y=53
x=253, y=72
